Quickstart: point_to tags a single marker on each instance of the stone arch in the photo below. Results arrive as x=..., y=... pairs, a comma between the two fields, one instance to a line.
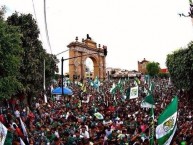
x=95, y=65
x=79, y=52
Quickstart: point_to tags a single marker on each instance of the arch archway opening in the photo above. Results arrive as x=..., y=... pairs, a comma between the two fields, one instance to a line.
x=89, y=68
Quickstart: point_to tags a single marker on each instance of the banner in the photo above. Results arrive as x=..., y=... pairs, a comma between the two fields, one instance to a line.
x=134, y=92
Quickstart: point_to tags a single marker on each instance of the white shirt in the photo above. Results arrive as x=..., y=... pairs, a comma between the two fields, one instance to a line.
x=84, y=134
x=108, y=132
x=17, y=113
x=106, y=122
x=57, y=134
x=37, y=105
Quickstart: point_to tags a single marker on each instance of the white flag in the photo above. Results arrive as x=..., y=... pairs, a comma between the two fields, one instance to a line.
x=3, y=133
x=24, y=129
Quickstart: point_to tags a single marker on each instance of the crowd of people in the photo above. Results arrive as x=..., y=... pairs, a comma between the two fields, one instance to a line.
x=72, y=120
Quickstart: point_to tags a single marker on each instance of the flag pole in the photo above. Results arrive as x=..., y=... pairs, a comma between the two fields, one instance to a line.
x=152, y=127
x=44, y=84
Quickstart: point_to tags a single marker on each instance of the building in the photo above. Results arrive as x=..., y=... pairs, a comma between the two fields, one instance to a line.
x=142, y=66
x=164, y=70
x=117, y=73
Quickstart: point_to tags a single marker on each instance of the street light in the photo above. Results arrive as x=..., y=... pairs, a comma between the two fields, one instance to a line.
x=62, y=75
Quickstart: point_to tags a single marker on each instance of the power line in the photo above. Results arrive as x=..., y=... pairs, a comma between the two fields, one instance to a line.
x=34, y=10
x=62, y=52
x=36, y=18
x=46, y=28
x=47, y=36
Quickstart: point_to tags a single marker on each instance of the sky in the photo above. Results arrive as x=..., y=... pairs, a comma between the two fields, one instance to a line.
x=131, y=29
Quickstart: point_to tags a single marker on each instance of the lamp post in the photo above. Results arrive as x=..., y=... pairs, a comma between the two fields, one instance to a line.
x=62, y=75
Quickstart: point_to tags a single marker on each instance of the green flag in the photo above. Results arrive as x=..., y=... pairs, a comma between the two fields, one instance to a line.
x=167, y=123
x=128, y=92
x=96, y=82
x=151, y=88
x=113, y=89
x=148, y=102
x=120, y=86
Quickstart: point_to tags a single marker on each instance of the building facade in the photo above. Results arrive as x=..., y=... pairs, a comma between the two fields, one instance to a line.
x=142, y=66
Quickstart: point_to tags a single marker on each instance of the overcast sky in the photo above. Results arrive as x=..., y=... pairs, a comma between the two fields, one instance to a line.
x=131, y=29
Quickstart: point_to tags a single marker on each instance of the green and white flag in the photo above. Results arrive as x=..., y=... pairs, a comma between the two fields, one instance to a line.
x=113, y=89
x=91, y=83
x=120, y=86
x=167, y=123
x=96, y=82
x=147, y=79
x=136, y=79
x=133, y=93
x=3, y=133
x=151, y=88
x=148, y=102
x=99, y=116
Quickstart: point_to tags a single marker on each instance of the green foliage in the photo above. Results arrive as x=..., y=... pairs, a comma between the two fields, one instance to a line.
x=10, y=60
x=180, y=66
x=51, y=68
x=153, y=68
x=57, y=76
x=163, y=75
x=2, y=12
x=32, y=67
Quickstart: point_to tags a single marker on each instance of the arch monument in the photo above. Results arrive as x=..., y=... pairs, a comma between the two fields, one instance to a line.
x=79, y=52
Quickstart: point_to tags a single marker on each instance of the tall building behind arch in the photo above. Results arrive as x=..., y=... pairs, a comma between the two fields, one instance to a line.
x=142, y=66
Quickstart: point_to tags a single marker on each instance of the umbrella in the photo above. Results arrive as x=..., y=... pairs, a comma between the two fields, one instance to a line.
x=58, y=91
x=99, y=116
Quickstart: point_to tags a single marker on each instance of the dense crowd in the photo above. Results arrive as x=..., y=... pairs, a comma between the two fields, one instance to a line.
x=71, y=120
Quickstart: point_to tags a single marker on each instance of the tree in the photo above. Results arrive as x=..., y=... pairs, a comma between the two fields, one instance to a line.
x=2, y=12
x=10, y=60
x=50, y=67
x=180, y=67
x=32, y=68
x=163, y=75
x=153, y=68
